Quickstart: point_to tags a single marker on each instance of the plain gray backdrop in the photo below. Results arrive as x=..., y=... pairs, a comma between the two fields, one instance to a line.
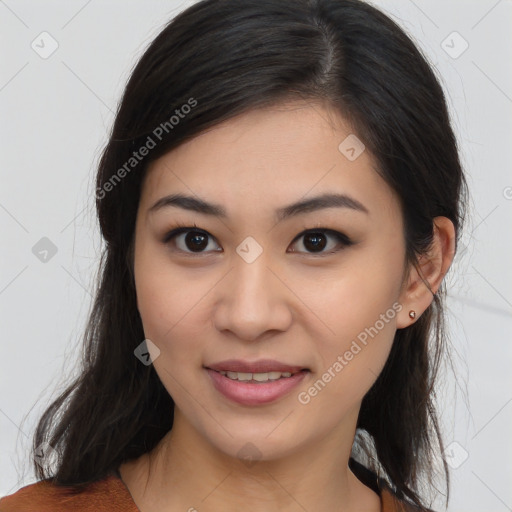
x=63, y=68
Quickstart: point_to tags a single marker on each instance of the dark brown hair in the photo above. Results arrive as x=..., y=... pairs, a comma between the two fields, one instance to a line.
x=223, y=58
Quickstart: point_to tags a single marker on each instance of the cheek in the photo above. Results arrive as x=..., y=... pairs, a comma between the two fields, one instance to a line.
x=360, y=310
x=167, y=301
x=166, y=306
x=173, y=307
x=169, y=312
x=351, y=359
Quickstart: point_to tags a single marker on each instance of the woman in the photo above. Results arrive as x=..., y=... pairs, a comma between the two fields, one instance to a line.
x=281, y=197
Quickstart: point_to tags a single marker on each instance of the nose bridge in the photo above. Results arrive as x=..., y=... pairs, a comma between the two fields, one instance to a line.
x=250, y=303
x=251, y=279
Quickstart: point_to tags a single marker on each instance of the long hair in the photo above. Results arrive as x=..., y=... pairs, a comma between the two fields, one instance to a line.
x=220, y=58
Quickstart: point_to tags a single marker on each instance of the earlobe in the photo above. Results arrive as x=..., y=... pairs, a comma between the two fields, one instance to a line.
x=426, y=278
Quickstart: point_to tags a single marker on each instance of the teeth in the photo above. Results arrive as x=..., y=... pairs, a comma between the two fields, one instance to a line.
x=259, y=377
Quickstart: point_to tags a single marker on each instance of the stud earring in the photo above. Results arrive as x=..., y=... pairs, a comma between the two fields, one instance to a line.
x=412, y=313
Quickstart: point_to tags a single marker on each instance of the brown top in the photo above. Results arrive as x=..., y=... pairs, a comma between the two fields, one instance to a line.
x=111, y=495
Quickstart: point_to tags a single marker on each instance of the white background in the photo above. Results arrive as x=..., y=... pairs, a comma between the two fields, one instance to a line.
x=55, y=115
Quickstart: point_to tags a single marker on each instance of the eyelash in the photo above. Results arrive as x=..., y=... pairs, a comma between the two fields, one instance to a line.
x=342, y=239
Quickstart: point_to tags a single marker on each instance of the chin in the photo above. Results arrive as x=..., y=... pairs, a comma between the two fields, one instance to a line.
x=260, y=443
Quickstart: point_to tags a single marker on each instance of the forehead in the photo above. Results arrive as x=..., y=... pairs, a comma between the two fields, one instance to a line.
x=269, y=157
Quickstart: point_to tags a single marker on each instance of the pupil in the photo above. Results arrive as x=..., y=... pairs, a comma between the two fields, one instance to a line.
x=197, y=241
x=318, y=241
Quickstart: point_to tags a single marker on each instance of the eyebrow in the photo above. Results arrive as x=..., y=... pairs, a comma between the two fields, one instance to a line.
x=300, y=207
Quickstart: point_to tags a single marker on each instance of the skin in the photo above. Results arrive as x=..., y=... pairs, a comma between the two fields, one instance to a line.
x=290, y=304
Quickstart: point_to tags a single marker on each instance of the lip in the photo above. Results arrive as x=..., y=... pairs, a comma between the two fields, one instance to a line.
x=256, y=393
x=260, y=366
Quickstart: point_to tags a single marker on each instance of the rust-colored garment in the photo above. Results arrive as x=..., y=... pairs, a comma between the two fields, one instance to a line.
x=111, y=495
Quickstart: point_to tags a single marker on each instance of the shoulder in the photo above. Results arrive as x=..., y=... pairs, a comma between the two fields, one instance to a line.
x=390, y=501
x=107, y=494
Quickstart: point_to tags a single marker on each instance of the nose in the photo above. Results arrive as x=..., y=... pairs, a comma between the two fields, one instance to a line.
x=252, y=300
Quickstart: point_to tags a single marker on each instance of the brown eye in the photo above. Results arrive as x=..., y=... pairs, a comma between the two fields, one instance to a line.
x=315, y=241
x=194, y=240
x=191, y=240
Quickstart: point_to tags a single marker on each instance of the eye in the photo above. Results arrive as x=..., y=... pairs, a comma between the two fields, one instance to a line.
x=192, y=240
x=188, y=238
x=316, y=240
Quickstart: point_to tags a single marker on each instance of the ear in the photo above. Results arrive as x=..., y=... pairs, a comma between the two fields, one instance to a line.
x=432, y=267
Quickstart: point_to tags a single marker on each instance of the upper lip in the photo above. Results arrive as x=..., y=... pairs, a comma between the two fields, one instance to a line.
x=260, y=366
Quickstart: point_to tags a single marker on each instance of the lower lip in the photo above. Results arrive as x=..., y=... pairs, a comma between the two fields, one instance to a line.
x=254, y=393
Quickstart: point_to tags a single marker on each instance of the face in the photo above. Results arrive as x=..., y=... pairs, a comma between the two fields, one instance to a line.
x=314, y=289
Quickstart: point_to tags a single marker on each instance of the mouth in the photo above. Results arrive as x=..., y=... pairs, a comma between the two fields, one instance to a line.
x=257, y=378
x=255, y=367
x=255, y=383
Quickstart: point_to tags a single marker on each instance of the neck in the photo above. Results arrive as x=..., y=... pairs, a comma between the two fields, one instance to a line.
x=185, y=472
